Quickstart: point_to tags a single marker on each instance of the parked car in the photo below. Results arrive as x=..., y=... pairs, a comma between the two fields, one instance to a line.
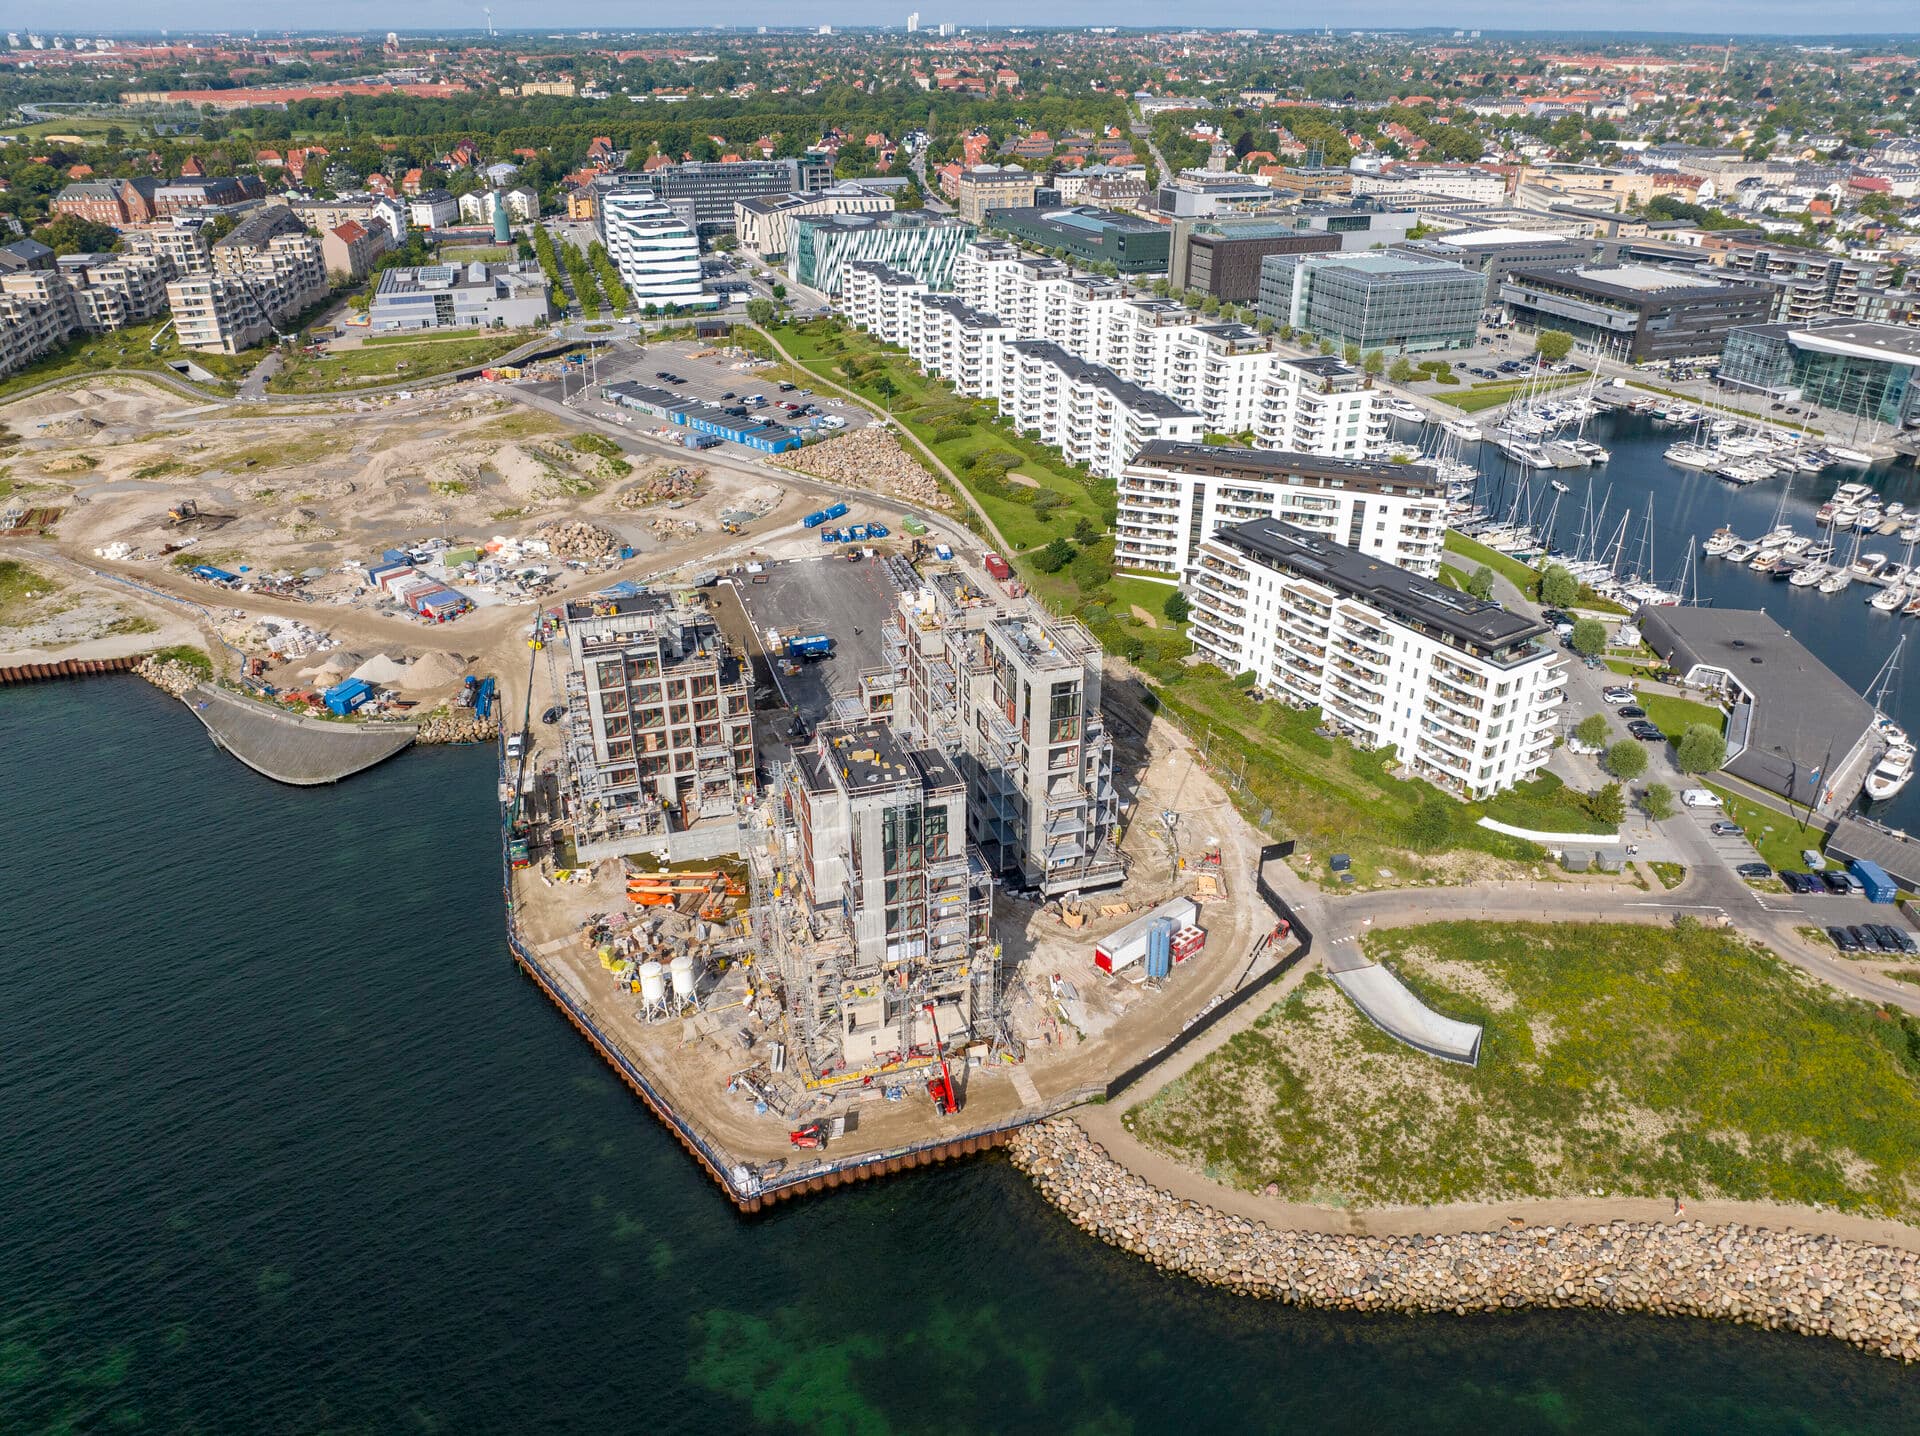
x=1796, y=882
x=1904, y=940
x=1724, y=829
x=785, y=387
x=1632, y=711
x=1812, y=859
x=553, y=714
x=1704, y=798
x=1754, y=872
x=1836, y=883
x=1596, y=663
x=1645, y=731
x=1868, y=942
x=1616, y=694
x=1842, y=939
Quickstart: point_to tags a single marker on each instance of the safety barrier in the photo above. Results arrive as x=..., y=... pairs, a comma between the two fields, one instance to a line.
x=1240, y=996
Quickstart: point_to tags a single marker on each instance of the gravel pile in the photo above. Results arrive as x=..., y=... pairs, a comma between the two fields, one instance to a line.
x=1785, y=1280
x=871, y=459
x=572, y=539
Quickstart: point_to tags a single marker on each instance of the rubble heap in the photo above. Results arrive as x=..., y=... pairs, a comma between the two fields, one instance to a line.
x=872, y=459
x=570, y=538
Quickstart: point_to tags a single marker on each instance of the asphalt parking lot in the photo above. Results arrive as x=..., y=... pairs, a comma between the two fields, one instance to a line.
x=711, y=378
x=846, y=601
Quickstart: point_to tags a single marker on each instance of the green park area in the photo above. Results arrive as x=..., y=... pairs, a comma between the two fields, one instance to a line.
x=132, y=348
x=1616, y=1059
x=1285, y=776
x=1778, y=836
x=388, y=360
x=1492, y=395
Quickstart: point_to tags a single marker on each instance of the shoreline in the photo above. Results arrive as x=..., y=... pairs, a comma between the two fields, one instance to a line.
x=1809, y=1282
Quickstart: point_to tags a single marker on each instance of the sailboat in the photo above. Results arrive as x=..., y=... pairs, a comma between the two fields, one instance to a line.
x=1895, y=767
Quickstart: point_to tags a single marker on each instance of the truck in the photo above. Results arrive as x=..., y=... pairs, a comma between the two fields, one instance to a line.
x=997, y=566
x=806, y=645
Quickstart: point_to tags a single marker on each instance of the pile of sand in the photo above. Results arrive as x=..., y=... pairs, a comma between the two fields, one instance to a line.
x=73, y=425
x=433, y=670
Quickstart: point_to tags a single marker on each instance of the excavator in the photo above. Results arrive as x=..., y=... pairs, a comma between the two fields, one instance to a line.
x=946, y=1100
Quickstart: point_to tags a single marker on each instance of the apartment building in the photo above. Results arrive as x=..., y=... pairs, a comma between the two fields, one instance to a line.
x=264, y=272
x=985, y=188
x=764, y=223
x=181, y=244
x=659, y=729
x=1013, y=693
x=1464, y=691
x=350, y=249
x=1321, y=405
x=432, y=209
x=896, y=899
x=366, y=209
x=478, y=206
x=111, y=291
x=1089, y=413
x=204, y=192
x=1455, y=182
x=1175, y=496
x=36, y=316
x=657, y=253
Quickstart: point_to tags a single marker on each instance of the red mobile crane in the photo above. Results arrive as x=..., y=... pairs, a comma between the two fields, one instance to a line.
x=945, y=1100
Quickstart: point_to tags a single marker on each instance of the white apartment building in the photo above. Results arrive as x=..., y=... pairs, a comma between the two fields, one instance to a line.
x=1458, y=182
x=1320, y=405
x=36, y=316
x=181, y=244
x=1085, y=410
x=657, y=254
x=1226, y=372
x=1172, y=497
x=265, y=271
x=1463, y=690
x=111, y=291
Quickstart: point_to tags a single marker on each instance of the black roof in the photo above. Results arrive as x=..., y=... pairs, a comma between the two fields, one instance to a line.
x=1149, y=401
x=1479, y=624
x=1270, y=465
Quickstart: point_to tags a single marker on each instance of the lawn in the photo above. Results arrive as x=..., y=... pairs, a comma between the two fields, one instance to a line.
x=1673, y=716
x=1778, y=836
x=129, y=348
x=1488, y=396
x=23, y=592
x=376, y=362
x=1473, y=554
x=1629, y=1060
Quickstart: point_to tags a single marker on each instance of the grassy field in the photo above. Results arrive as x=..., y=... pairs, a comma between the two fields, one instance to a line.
x=1673, y=716
x=129, y=348
x=1491, y=395
x=1623, y=1060
x=1472, y=554
x=24, y=592
x=1778, y=837
x=376, y=362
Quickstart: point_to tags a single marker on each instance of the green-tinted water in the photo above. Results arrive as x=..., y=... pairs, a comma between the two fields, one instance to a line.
x=286, y=1145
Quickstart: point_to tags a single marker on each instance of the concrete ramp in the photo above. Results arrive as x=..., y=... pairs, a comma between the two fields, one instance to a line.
x=1386, y=1002
x=289, y=748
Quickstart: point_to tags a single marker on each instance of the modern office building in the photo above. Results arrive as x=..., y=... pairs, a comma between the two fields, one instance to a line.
x=1466, y=693
x=1222, y=257
x=1198, y=194
x=454, y=296
x=1865, y=370
x=659, y=730
x=764, y=223
x=1456, y=182
x=1393, y=302
x=1089, y=235
x=1174, y=496
x=985, y=188
x=712, y=187
x=911, y=240
x=1495, y=253
x=657, y=254
x=897, y=900
x=1633, y=312
x=1014, y=694
x=1368, y=225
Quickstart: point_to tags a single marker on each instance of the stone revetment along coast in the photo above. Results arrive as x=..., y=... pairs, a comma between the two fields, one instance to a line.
x=1786, y=1280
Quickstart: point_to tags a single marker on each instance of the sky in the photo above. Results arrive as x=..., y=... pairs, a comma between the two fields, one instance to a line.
x=1714, y=17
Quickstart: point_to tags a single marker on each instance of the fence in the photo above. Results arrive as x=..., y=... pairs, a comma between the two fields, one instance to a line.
x=1240, y=996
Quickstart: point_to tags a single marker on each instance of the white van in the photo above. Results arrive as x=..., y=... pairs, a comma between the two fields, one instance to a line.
x=1700, y=798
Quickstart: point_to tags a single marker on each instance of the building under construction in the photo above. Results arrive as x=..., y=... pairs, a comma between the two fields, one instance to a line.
x=660, y=730
x=1014, y=694
x=887, y=956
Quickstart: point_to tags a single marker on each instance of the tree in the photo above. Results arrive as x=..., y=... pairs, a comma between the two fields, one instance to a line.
x=1374, y=363
x=1553, y=345
x=1176, y=608
x=1589, y=636
x=69, y=234
x=1558, y=587
x=1626, y=759
x=1351, y=353
x=1608, y=805
x=779, y=291
x=1402, y=370
x=1592, y=730
x=1054, y=557
x=1656, y=800
x=1084, y=532
x=1430, y=826
x=1701, y=749
x=1480, y=582
x=761, y=311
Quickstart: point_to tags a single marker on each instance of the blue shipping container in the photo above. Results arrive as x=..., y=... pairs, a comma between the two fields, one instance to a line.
x=1160, y=947
x=1874, y=878
x=835, y=512
x=343, y=698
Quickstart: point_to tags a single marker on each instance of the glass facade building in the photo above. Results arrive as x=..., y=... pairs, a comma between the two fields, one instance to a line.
x=920, y=244
x=1378, y=301
x=1867, y=370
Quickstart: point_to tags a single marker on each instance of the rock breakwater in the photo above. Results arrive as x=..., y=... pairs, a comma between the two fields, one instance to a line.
x=169, y=675
x=461, y=727
x=1787, y=1280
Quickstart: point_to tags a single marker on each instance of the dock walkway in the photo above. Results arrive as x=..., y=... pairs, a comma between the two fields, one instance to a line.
x=289, y=748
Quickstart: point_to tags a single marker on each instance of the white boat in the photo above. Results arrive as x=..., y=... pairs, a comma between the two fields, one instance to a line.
x=1890, y=775
x=1765, y=558
x=1722, y=540
x=1851, y=457
x=1412, y=413
x=1692, y=456
x=1810, y=575
x=1744, y=471
x=1835, y=581
x=1889, y=598
x=1811, y=462
x=1465, y=430
x=1741, y=552
x=1525, y=451
x=1593, y=453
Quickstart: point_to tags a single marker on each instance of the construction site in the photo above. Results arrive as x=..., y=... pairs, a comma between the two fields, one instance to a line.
x=870, y=884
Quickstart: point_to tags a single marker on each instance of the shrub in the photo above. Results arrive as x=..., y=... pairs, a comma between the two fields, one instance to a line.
x=1480, y=582
x=1054, y=557
x=1429, y=827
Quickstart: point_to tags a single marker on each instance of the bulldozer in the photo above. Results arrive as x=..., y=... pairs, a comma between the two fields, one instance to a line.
x=186, y=511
